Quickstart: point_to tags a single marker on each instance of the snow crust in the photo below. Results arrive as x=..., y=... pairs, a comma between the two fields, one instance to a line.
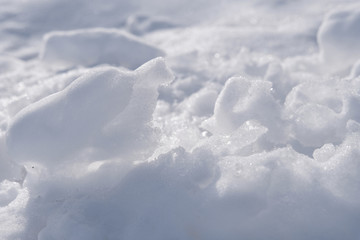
x=183, y=120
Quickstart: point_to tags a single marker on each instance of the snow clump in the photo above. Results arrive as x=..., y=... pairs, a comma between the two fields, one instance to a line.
x=247, y=128
x=104, y=104
x=90, y=47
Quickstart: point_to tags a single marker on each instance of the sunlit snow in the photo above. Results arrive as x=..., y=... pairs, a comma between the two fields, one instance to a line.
x=191, y=119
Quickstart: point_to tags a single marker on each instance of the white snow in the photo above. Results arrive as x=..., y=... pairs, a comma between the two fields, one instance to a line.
x=338, y=36
x=92, y=107
x=179, y=120
x=90, y=47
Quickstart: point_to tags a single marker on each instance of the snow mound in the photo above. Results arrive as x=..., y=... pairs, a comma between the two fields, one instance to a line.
x=95, y=106
x=89, y=47
x=207, y=194
x=338, y=38
x=92, y=150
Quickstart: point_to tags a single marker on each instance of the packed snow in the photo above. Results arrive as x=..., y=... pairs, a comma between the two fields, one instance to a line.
x=180, y=120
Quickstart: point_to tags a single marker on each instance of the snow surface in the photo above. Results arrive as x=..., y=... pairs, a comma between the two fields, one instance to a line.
x=179, y=120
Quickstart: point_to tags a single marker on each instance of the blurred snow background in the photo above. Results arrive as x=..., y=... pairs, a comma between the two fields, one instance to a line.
x=179, y=119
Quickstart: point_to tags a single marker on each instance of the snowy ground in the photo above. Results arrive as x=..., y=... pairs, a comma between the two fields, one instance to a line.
x=185, y=119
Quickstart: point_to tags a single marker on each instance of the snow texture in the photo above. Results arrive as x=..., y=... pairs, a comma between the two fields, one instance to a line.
x=184, y=120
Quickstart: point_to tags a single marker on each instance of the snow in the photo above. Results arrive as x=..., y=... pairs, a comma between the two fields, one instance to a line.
x=92, y=107
x=241, y=100
x=91, y=47
x=337, y=38
x=183, y=120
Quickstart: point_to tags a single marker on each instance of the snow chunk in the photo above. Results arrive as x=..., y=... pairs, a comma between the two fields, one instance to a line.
x=89, y=47
x=319, y=110
x=241, y=100
x=316, y=124
x=75, y=118
x=202, y=102
x=338, y=38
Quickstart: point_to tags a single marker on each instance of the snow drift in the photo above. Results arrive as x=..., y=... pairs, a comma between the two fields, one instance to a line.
x=249, y=128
